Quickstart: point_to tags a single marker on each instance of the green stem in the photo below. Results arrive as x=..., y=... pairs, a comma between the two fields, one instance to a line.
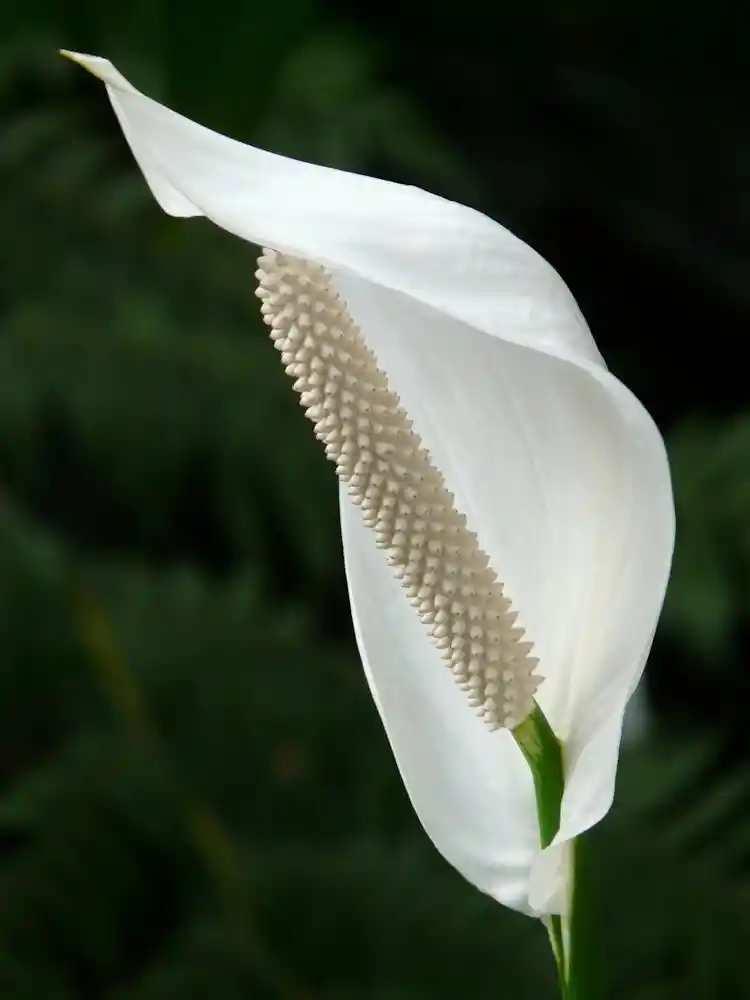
x=543, y=753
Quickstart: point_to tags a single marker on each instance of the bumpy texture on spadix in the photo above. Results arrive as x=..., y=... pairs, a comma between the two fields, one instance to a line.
x=402, y=496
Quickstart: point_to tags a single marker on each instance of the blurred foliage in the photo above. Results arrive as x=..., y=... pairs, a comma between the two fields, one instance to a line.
x=178, y=681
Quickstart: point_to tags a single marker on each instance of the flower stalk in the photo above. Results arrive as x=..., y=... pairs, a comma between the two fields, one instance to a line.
x=544, y=754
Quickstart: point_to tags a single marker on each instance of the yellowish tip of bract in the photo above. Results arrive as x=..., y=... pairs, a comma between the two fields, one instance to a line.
x=75, y=57
x=94, y=64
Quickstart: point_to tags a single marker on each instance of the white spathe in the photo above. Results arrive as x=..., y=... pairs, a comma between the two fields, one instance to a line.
x=558, y=467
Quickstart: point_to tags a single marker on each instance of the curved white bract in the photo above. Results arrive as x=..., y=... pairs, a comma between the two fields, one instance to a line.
x=560, y=473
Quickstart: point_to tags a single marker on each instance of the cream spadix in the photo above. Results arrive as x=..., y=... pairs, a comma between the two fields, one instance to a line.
x=389, y=473
x=558, y=468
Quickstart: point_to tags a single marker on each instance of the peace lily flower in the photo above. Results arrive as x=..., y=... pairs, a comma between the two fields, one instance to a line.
x=506, y=507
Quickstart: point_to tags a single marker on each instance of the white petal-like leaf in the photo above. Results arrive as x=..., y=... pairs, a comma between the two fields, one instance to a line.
x=559, y=469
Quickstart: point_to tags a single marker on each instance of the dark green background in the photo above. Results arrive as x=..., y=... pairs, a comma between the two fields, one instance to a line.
x=196, y=797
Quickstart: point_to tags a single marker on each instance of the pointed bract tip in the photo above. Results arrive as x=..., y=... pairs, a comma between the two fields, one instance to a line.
x=79, y=57
x=100, y=68
x=94, y=64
